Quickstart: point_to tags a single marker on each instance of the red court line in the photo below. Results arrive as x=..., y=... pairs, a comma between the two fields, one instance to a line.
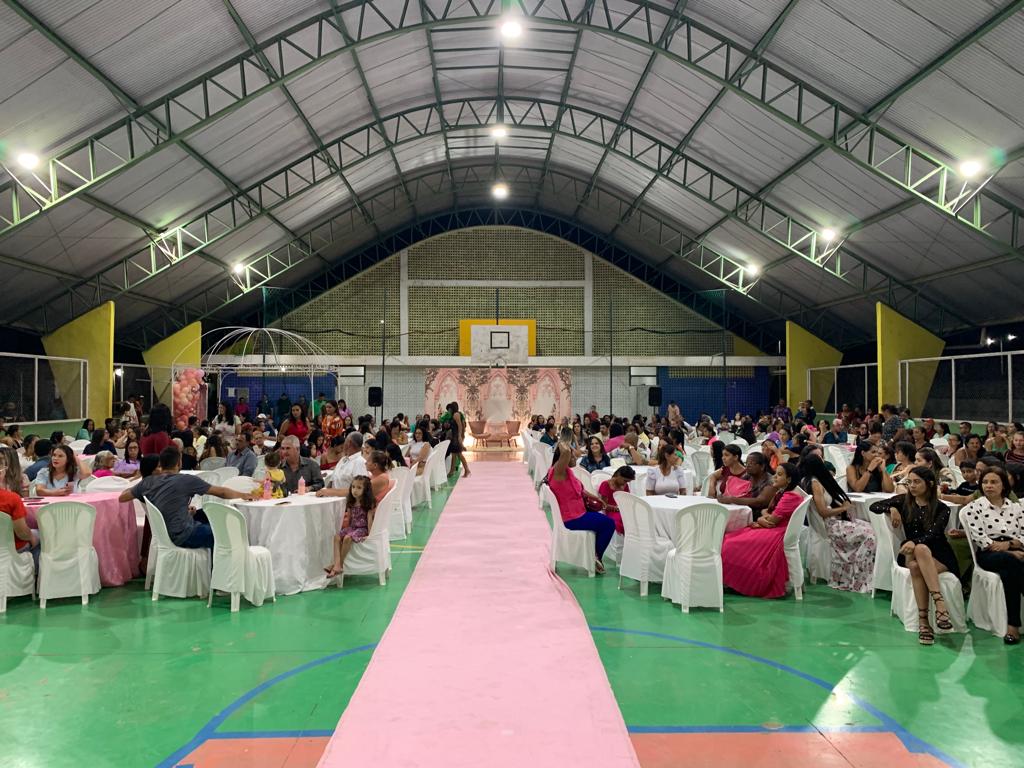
x=488, y=659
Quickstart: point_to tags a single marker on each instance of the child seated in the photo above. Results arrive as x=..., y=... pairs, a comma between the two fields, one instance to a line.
x=360, y=505
x=272, y=461
x=618, y=482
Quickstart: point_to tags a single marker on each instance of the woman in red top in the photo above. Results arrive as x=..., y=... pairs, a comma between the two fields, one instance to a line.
x=10, y=500
x=618, y=482
x=568, y=490
x=732, y=466
x=158, y=433
x=296, y=424
x=331, y=423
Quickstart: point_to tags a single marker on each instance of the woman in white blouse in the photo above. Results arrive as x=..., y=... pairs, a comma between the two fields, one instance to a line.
x=996, y=525
x=668, y=476
x=417, y=456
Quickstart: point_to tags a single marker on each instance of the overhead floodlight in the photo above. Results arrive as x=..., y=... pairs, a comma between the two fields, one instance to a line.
x=28, y=161
x=119, y=371
x=970, y=168
x=239, y=268
x=753, y=269
x=828, y=235
x=284, y=368
x=511, y=29
x=989, y=342
x=1010, y=337
x=500, y=191
x=499, y=131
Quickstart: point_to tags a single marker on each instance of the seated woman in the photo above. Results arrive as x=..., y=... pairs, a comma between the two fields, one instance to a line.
x=866, y=473
x=668, y=476
x=329, y=459
x=996, y=525
x=618, y=482
x=377, y=464
x=904, y=454
x=569, y=492
x=100, y=442
x=753, y=559
x=85, y=433
x=595, y=458
x=214, y=448
x=996, y=441
x=760, y=493
x=926, y=457
x=727, y=478
x=772, y=452
x=103, y=464
x=972, y=449
x=61, y=476
x=853, y=541
x=925, y=552
x=1016, y=453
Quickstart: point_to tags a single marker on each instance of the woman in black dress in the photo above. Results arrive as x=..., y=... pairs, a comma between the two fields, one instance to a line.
x=457, y=436
x=925, y=552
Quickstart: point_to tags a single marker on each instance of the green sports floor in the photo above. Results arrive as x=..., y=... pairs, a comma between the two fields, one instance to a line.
x=829, y=681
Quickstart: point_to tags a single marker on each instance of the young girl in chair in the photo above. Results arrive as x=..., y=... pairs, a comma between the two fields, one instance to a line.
x=360, y=506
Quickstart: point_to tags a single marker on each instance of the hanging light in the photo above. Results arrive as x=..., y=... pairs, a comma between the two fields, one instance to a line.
x=28, y=161
x=499, y=131
x=511, y=29
x=970, y=168
x=500, y=190
x=828, y=235
x=753, y=270
x=239, y=268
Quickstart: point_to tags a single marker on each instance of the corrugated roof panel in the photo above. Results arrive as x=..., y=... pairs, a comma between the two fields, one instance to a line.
x=371, y=172
x=265, y=18
x=985, y=282
x=832, y=192
x=748, y=145
x=859, y=51
x=575, y=154
x=162, y=189
x=45, y=105
x=1010, y=181
x=606, y=72
x=256, y=139
x=256, y=237
x=674, y=204
x=313, y=205
x=808, y=281
x=744, y=20
x=332, y=97
x=420, y=153
x=624, y=175
x=398, y=71
x=672, y=100
x=739, y=242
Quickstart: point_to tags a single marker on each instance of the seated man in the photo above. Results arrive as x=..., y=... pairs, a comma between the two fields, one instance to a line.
x=837, y=435
x=41, y=451
x=352, y=464
x=243, y=456
x=171, y=492
x=631, y=451
x=297, y=466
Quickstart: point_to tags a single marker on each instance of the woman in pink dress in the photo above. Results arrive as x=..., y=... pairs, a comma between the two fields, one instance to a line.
x=753, y=560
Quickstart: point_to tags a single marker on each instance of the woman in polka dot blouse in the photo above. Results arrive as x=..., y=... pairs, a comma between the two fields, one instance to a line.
x=996, y=525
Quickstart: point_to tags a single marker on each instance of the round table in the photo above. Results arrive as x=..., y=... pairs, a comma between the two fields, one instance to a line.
x=299, y=532
x=115, y=536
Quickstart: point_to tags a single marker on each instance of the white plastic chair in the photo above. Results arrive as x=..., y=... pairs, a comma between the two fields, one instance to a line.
x=527, y=440
x=87, y=462
x=406, y=477
x=240, y=483
x=543, y=456
x=881, y=576
x=584, y=477
x=727, y=437
x=209, y=476
x=238, y=568
x=17, y=570
x=397, y=524
x=212, y=463
x=701, y=461
x=106, y=484
x=791, y=546
x=839, y=456
x=573, y=547
x=739, y=441
x=598, y=476
x=987, y=607
x=224, y=474
x=78, y=446
x=171, y=570
x=819, y=546
x=904, y=605
x=68, y=564
x=405, y=449
x=639, y=540
x=421, y=485
x=616, y=463
x=693, y=570
x=439, y=475
x=372, y=555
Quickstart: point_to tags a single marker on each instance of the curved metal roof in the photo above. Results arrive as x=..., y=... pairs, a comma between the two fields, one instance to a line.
x=194, y=152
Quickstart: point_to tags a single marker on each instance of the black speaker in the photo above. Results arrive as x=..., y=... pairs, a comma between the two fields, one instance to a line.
x=654, y=397
x=376, y=397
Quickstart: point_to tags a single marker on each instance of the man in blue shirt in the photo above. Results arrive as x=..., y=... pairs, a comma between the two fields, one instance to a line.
x=836, y=435
x=243, y=456
x=41, y=450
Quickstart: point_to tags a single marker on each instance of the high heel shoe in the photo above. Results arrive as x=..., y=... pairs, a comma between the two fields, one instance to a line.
x=941, y=614
x=925, y=635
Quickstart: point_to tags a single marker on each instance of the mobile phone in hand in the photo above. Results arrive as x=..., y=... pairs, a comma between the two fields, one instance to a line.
x=670, y=496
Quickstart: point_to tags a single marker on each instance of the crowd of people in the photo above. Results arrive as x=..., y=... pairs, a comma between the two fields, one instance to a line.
x=785, y=461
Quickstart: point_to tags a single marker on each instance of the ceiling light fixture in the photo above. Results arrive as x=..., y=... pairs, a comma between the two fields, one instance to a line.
x=828, y=235
x=989, y=342
x=500, y=191
x=970, y=168
x=1010, y=337
x=499, y=131
x=753, y=269
x=239, y=269
x=119, y=371
x=283, y=368
x=511, y=29
x=28, y=161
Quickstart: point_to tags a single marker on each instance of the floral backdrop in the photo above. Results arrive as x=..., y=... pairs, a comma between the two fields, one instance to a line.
x=497, y=395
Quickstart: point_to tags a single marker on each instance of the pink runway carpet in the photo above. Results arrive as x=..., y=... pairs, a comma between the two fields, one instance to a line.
x=488, y=660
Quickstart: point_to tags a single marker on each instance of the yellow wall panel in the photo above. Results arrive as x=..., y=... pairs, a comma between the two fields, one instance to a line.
x=901, y=339
x=803, y=351
x=90, y=336
x=183, y=347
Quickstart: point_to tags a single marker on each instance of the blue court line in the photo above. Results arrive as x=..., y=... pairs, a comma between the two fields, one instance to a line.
x=756, y=729
x=208, y=731
x=911, y=742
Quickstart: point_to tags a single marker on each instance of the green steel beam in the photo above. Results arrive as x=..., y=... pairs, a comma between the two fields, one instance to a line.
x=741, y=71
x=856, y=129
x=318, y=142
x=800, y=105
x=691, y=176
x=780, y=303
x=442, y=121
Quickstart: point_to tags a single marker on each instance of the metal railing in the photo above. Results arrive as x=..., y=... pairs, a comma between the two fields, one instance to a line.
x=977, y=387
x=829, y=387
x=42, y=388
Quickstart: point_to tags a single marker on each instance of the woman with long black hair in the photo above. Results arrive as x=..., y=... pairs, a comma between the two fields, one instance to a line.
x=852, y=541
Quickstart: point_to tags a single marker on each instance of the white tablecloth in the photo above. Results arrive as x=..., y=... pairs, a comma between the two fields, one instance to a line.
x=641, y=476
x=299, y=532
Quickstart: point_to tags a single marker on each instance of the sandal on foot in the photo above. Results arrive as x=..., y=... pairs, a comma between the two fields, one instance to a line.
x=598, y=566
x=925, y=635
x=941, y=614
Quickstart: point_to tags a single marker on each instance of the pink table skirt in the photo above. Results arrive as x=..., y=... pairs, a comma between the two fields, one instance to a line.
x=115, y=536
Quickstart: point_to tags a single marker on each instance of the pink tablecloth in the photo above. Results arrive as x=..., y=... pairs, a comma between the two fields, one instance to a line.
x=115, y=535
